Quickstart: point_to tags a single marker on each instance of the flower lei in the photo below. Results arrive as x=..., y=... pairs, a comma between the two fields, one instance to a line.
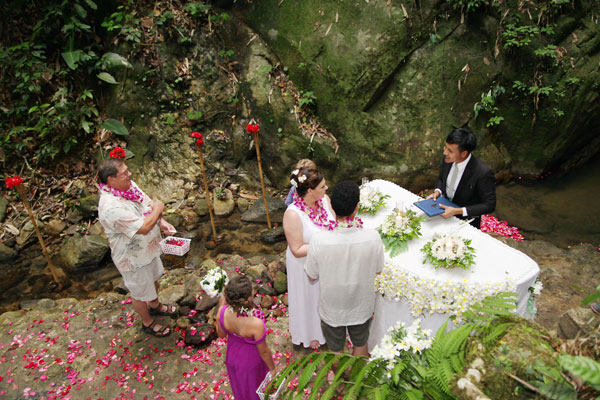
x=133, y=193
x=350, y=223
x=318, y=216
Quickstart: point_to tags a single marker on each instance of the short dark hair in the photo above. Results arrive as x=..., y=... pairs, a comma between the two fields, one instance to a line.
x=344, y=198
x=464, y=138
x=237, y=292
x=312, y=179
x=107, y=168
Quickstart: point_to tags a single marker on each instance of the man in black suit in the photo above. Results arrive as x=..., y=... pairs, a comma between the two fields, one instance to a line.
x=464, y=179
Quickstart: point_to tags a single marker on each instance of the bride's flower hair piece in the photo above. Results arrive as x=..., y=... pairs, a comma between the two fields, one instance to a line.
x=237, y=292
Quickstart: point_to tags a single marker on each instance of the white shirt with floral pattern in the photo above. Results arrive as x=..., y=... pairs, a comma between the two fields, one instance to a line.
x=121, y=219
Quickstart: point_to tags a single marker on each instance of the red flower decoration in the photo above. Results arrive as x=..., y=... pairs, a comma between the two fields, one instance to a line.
x=252, y=128
x=13, y=181
x=198, y=136
x=117, y=153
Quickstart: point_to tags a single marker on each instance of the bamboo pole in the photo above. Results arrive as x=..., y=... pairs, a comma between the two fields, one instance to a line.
x=208, y=196
x=21, y=190
x=260, y=173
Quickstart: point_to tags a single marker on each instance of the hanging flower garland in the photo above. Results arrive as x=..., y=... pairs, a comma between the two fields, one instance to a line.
x=317, y=215
x=117, y=153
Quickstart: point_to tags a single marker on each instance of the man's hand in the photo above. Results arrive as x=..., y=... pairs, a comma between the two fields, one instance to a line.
x=166, y=227
x=434, y=195
x=450, y=211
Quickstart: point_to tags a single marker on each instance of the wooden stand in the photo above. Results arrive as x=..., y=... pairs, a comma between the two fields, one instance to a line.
x=21, y=190
x=208, y=197
x=260, y=173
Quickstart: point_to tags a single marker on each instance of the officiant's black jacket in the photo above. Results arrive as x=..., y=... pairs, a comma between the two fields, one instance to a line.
x=476, y=190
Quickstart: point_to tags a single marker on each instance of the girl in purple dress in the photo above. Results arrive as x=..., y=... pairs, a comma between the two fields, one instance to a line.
x=248, y=357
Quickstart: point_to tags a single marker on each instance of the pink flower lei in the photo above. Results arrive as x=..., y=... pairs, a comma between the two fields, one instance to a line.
x=133, y=193
x=318, y=216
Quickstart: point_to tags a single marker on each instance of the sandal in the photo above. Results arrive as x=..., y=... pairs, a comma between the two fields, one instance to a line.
x=169, y=310
x=162, y=331
x=595, y=308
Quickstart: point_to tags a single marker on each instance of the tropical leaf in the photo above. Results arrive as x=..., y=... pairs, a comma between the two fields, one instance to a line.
x=115, y=126
x=582, y=367
x=91, y=4
x=106, y=77
x=129, y=154
x=115, y=60
x=71, y=58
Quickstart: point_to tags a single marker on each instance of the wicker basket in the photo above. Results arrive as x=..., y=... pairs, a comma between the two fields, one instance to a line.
x=261, y=389
x=173, y=249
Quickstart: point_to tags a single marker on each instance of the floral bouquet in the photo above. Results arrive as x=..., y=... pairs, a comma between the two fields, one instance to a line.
x=535, y=291
x=398, y=228
x=214, y=281
x=400, y=341
x=371, y=200
x=449, y=251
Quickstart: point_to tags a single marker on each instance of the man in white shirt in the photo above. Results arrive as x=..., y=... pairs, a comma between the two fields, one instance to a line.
x=464, y=179
x=345, y=261
x=131, y=221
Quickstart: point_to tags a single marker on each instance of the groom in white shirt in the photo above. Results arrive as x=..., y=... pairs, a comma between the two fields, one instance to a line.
x=345, y=261
x=464, y=179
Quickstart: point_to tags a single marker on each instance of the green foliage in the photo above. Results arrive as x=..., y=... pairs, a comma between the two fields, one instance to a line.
x=124, y=24
x=469, y=5
x=116, y=127
x=198, y=9
x=307, y=99
x=582, y=367
x=518, y=35
x=488, y=104
x=194, y=115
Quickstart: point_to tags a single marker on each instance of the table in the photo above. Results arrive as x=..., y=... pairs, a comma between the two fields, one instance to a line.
x=415, y=290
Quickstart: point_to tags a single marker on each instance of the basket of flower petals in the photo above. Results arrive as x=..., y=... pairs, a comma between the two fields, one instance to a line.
x=175, y=245
x=273, y=392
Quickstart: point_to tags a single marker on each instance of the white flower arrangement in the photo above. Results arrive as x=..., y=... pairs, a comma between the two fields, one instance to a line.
x=428, y=296
x=535, y=291
x=398, y=228
x=214, y=281
x=537, y=287
x=301, y=178
x=295, y=172
x=449, y=251
x=401, y=339
x=371, y=200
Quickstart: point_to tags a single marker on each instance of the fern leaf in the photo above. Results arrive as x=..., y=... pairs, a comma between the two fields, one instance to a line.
x=412, y=394
x=494, y=334
x=346, y=361
x=320, y=379
x=354, y=391
x=309, y=370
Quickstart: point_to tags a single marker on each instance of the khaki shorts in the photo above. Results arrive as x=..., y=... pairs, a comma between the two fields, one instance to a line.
x=140, y=281
x=335, y=336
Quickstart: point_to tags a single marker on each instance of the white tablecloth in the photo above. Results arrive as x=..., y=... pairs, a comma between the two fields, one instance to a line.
x=495, y=263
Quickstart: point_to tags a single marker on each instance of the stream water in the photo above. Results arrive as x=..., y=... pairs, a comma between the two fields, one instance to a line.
x=560, y=210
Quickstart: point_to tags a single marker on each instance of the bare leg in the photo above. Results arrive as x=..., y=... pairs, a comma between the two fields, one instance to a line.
x=361, y=350
x=154, y=303
x=141, y=308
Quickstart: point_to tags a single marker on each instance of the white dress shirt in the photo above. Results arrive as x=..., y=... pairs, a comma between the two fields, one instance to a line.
x=461, y=169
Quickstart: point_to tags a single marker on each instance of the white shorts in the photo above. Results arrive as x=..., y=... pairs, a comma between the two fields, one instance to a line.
x=140, y=281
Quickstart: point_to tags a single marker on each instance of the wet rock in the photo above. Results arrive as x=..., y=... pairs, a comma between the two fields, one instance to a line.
x=256, y=213
x=201, y=207
x=74, y=216
x=89, y=205
x=266, y=290
x=6, y=253
x=256, y=260
x=275, y=266
x=280, y=282
x=278, y=312
x=3, y=205
x=174, y=219
x=183, y=323
x=83, y=252
x=55, y=227
x=224, y=206
x=284, y=299
x=209, y=264
x=190, y=219
x=38, y=263
x=97, y=229
x=230, y=262
x=27, y=233
x=104, y=274
x=577, y=322
x=255, y=271
x=44, y=304
x=200, y=336
x=243, y=204
x=280, y=247
x=206, y=303
x=118, y=286
x=270, y=236
x=267, y=302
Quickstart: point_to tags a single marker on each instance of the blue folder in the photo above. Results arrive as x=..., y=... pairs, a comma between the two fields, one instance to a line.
x=432, y=208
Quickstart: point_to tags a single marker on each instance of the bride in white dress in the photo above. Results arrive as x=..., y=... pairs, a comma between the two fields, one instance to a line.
x=309, y=212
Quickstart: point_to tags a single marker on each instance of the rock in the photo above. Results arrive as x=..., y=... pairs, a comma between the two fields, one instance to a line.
x=74, y=216
x=97, y=229
x=229, y=263
x=577, y=322
x=44, y=304
x=243, y=204
x=3, y=205
x=270, y=236
x=89, y=205
x=256, y=260
x=6, y=253
x=223, y=206
x=275, y=266
x=208, y=264
x=174, y=219
x=38, y=263
x=277, y=312
x=255, y=271
x=27, y=233
x=256, y=213
x=171, y=294
x=183, y=323
x=280, y=247
x=201, y=207
x=280, y=282
x=206, y=303
x=190, y=219
x=84, y=252
x=118, y=286
x=267, y=302
x=284, y=299
x=105, y=274
x=266, y=290
x=55, y=227
x=200, y=336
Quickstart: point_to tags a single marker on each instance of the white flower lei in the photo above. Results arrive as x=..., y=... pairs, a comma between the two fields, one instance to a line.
x=428, y=296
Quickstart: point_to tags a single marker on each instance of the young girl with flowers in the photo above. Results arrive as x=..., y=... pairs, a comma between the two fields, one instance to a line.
x=310, y=212
x=248, y=357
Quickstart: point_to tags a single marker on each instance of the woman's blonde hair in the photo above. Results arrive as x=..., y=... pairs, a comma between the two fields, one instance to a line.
x=306, y=163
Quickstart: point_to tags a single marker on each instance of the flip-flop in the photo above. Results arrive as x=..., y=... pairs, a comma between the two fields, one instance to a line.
x=595, y=308
x=158, y=333
x=171, y=310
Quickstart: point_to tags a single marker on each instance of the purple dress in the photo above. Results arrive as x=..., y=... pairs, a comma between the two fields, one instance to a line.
x=245, y=367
